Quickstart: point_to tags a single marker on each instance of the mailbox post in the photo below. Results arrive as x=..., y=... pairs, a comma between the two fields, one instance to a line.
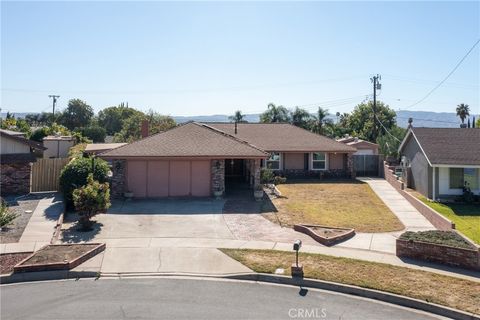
x=297, y=269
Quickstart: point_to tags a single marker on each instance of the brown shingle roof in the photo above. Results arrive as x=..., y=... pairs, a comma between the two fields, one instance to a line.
x=282, y=137
x=188, y=140
x=456, y=146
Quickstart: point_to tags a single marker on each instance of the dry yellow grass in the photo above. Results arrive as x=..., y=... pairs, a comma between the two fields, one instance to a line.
x=337, y=204
x=449, y=291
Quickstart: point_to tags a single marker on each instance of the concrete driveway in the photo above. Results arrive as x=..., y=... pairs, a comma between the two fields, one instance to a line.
x=161, y=218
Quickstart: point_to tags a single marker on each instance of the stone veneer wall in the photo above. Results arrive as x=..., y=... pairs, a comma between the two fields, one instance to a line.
x=458, y=257
x=15, y=178
x=218, y=175
x=119, y=176
x=300, y=173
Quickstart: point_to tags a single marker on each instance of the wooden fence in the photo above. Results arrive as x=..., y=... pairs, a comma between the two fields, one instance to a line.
x=46, y=173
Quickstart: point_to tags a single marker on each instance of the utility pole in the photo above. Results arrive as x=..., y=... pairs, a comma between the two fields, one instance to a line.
x=54, y=100
x=376, y=85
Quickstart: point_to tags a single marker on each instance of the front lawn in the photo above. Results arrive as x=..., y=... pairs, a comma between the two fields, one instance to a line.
x=432, y=287
x=465, y=216
x=337, y=204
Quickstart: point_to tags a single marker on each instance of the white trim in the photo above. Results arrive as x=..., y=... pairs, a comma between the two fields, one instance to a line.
x=410, y=131
x=433, y=185
x=310, y=162
x=457, y=166
x=280, y=161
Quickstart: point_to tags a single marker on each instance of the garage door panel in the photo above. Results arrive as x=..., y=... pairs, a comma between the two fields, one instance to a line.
x=179, y=183
x=200, y=178
x=157, y=179
x=137, y=178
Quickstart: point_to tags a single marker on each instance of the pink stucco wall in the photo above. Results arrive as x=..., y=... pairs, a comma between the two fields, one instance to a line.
x=158, y=175
x=335, y=161
x=294, y=161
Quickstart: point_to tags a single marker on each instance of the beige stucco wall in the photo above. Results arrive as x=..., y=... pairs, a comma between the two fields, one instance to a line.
x=293, y=161
x=335, y=161
x=9, y=146
x=57, y=148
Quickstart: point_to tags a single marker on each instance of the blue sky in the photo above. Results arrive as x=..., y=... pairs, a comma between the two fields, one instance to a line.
x=213, y=58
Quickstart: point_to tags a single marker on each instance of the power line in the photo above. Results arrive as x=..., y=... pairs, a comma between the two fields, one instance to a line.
x=386, y=130
x=445, y=79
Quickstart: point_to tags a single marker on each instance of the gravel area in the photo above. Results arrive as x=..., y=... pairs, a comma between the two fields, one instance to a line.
x=9, y=260
x=23, y=206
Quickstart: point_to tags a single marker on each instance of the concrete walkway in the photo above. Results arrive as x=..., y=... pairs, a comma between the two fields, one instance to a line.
x=40, y=227
x=201, y=256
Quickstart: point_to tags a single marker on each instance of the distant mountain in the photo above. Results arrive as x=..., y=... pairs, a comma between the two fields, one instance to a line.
x=420, y=118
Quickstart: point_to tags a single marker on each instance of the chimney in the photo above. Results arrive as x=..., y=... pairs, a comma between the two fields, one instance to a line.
x=235, y=127
x=144, y=128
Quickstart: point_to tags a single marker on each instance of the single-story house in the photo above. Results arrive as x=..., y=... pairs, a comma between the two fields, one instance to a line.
x=363, y=147
x=441, y=161
x=201, y=159
x=16, y=156
x=96, y=148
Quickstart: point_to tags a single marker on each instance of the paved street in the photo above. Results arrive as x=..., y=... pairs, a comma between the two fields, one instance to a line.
x=187, y=299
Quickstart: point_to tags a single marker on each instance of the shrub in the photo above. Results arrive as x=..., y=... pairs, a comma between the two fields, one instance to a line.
x=448, y=238
x=39, y=134
x=75, y=175
x=94, y=133
x=279, y=180
x=266, y=175
x=90, y=200
x=6, y=216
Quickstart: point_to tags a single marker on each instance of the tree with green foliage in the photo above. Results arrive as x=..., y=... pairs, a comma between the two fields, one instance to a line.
x=463, y=111
x=77, y=115
x=390, y=142
x=95, y=133
x=361, y=120
x=113, y=118
x=238, y=117
x=320, y=120
x=131, y=129
x=74, y=175
x=275, y=114
x=301, y=118
x=91, y=199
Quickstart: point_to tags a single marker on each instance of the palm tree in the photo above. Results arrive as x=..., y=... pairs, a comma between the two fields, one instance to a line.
x=237, y=117
x=463, y=111
x=275, y=114
x=301, y=118
x=320, y=119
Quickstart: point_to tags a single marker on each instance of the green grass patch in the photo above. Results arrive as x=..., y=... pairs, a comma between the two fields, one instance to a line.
x=465, y=216
x=448, y=238
x=427, y=286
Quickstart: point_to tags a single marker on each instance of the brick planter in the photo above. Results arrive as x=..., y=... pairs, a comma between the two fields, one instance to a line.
x=452, y=256
x=327, y=241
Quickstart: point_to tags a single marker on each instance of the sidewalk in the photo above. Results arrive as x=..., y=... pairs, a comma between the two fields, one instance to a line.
x=40, y=227
x=201, y=256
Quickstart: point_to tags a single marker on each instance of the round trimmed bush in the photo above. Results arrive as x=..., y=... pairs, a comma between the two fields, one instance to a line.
x=75, y=175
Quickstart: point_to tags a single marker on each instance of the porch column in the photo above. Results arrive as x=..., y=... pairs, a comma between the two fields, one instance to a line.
x=119, y=168
x=256, y=173
x=218, y=176
x=350, y=167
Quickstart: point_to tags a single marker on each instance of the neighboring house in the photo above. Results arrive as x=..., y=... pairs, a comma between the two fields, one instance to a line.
x=96, y=148
x=441, y=161
x=16, y=156
x=57, y=146
x=363, y=147
x=196, y=159
x=14, y=133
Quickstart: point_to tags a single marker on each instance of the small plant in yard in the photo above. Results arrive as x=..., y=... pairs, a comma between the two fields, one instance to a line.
x=266, y=175
x=279, y=180
x=90, y=200
x=6, y=216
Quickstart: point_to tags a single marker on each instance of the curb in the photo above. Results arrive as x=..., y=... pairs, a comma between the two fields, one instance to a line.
x=362, y=292
x=256, y=277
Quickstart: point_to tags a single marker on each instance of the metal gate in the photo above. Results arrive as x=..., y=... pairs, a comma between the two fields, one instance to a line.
x=46, y=173
x=366, y=165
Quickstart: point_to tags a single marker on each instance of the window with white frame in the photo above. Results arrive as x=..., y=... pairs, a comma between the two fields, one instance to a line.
x=460, y=177
x=274, y=161
x=319, y=161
